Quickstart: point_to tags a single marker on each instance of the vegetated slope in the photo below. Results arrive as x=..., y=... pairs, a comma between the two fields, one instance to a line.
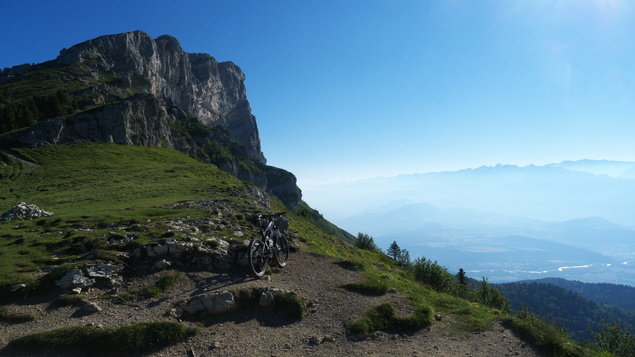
x=94, y=187
x=569, y=309
x=151, y=195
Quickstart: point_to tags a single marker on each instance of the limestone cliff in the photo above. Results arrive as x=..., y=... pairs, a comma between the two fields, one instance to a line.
x=212, y=92
x=135, y=90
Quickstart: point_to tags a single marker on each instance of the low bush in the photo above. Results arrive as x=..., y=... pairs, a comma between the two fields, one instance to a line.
x=383, y=317
x=364, y=241
x=615, y=339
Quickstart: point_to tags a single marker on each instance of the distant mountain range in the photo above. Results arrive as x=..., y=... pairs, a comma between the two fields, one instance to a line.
x=618, y=169
x=554, y=192
x=572, y=220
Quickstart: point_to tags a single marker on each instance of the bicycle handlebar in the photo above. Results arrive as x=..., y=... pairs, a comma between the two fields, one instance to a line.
x=272, y=215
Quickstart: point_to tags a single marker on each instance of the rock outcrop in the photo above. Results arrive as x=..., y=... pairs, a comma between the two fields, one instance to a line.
x=24, y=211
x=214, y=93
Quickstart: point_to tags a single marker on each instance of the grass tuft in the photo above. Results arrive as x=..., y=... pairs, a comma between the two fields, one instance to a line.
x=67, y=300
x=15, y=317
x=383, y=317
x=352, y=265
x=138, y=337
x=163, y=284
x=372, y=285
x=293, y=304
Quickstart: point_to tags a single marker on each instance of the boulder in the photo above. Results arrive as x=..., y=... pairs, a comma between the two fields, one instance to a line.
x=106, y=271
x=215, y=303
x=74, y=279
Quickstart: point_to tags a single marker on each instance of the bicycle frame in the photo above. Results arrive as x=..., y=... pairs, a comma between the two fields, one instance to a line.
x=273, y=244
x=267, y=233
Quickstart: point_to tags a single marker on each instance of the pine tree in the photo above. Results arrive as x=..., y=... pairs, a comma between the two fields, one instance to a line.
x=461, y=277
x=394, y=251
x=404, y=258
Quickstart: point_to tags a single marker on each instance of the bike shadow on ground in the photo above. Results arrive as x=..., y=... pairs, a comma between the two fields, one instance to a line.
x=222, y=280
x=264, y=316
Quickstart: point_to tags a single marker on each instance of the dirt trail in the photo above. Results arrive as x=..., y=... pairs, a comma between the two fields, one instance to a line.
x=265, y=333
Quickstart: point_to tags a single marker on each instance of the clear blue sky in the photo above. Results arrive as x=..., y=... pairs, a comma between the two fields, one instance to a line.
x=351, y=89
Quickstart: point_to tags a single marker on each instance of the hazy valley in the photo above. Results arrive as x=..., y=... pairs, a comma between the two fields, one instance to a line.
x=570, y=220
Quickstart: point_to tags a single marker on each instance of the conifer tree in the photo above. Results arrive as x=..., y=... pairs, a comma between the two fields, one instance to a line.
x=461, y=277
x=394, y=251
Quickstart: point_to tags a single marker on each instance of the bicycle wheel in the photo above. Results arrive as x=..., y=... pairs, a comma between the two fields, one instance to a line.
x=281, y=250
x=257, y=257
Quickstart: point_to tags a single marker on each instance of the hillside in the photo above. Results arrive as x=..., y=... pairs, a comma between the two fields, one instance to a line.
x=620, y=296
x=156, y=196
x=579, y=315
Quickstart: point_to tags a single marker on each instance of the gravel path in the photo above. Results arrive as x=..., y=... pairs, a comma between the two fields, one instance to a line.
x=262, y=332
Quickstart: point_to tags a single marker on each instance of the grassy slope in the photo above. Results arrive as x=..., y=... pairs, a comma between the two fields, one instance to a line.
x=104, y=180
x=99, y=184
x=92, y=186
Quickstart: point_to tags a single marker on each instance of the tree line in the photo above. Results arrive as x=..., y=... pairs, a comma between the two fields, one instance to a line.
x=580, y=316
x=25, y=112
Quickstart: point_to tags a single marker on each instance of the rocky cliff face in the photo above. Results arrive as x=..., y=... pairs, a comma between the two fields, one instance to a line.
x=214, y=93
x=137, y=90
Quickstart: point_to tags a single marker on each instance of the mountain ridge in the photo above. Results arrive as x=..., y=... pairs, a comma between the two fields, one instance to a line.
x=550, y=193
x=131, y=89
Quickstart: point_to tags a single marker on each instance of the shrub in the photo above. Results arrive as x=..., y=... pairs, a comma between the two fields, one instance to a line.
x=364, y=241
x=246, y=297
x=422, y=317
x=431, y=273
x=490, y=296
x=67, y=300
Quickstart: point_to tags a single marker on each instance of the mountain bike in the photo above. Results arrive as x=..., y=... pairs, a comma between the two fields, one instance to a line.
x=272, y=245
